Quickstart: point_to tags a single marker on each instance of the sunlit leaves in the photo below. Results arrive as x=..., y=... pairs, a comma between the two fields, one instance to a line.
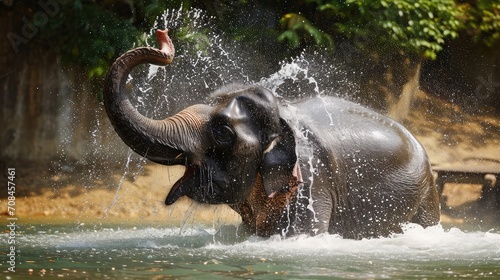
x=89, y=36
x=200, y=40
x=417, y=27
x=93, y=33
x=298, y=28
x=483, y=22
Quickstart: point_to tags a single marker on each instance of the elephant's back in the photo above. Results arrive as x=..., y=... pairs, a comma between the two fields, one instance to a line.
x=380, y=161
x=357, y=133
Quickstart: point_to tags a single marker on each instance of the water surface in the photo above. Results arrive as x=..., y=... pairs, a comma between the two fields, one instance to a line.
x=121, y=252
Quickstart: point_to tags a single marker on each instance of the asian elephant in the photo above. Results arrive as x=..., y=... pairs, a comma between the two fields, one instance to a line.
x=321, y=165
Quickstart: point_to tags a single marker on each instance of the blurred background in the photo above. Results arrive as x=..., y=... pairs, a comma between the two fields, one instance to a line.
x=433, y=65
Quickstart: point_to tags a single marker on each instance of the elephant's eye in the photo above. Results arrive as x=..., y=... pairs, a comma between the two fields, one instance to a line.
x=223, y=134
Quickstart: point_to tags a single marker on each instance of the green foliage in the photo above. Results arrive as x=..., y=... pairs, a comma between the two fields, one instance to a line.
x=297, y=27
x=93, y=33
x=415, y=27
x=94, y=36
x=483, y=21
x=199, y=40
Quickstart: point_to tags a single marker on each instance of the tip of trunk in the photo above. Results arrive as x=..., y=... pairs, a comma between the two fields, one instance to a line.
x=165, y=42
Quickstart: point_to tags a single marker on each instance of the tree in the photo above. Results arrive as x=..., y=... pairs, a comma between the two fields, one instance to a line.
x=394, y=35
x=89, y=33
x=483, y=21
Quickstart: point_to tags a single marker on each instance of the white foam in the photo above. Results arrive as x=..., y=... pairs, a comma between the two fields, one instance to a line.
x=415, y=243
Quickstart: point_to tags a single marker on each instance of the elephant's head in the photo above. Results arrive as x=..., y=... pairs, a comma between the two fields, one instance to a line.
x=224, y=145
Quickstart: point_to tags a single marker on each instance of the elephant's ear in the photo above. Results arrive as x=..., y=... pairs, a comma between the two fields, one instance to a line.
x=280, y=158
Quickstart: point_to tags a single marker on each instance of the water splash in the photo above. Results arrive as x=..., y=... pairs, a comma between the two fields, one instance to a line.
x=313, y=73
x=293, y=72
x=206, y=60
x=159, y=252
x=120, y=183
x=415, y=242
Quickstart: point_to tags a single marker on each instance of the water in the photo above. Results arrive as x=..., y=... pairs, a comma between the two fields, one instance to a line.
x=205, y=59
x=121, y=252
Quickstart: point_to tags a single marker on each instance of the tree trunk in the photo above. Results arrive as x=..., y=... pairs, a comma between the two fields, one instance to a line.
x=400, y=108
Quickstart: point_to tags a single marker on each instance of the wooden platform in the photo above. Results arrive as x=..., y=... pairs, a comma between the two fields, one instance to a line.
x=488, y=178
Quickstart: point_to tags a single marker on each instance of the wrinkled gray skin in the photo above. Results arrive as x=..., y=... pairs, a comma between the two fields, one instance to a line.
x=362, y=174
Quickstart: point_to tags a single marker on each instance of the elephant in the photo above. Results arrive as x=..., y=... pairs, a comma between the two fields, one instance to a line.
x=322, y=165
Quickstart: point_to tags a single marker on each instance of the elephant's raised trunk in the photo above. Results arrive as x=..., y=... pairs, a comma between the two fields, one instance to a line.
x=162, y=141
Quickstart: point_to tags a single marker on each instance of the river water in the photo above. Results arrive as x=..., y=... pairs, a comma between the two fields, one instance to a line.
x=127, y=252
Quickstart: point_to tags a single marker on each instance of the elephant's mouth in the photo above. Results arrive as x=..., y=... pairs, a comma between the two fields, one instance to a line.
x=204, y=183
x=180, y=187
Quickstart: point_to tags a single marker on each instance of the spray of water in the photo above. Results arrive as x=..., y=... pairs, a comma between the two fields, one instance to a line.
x=120, y=183
x=206, y=60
